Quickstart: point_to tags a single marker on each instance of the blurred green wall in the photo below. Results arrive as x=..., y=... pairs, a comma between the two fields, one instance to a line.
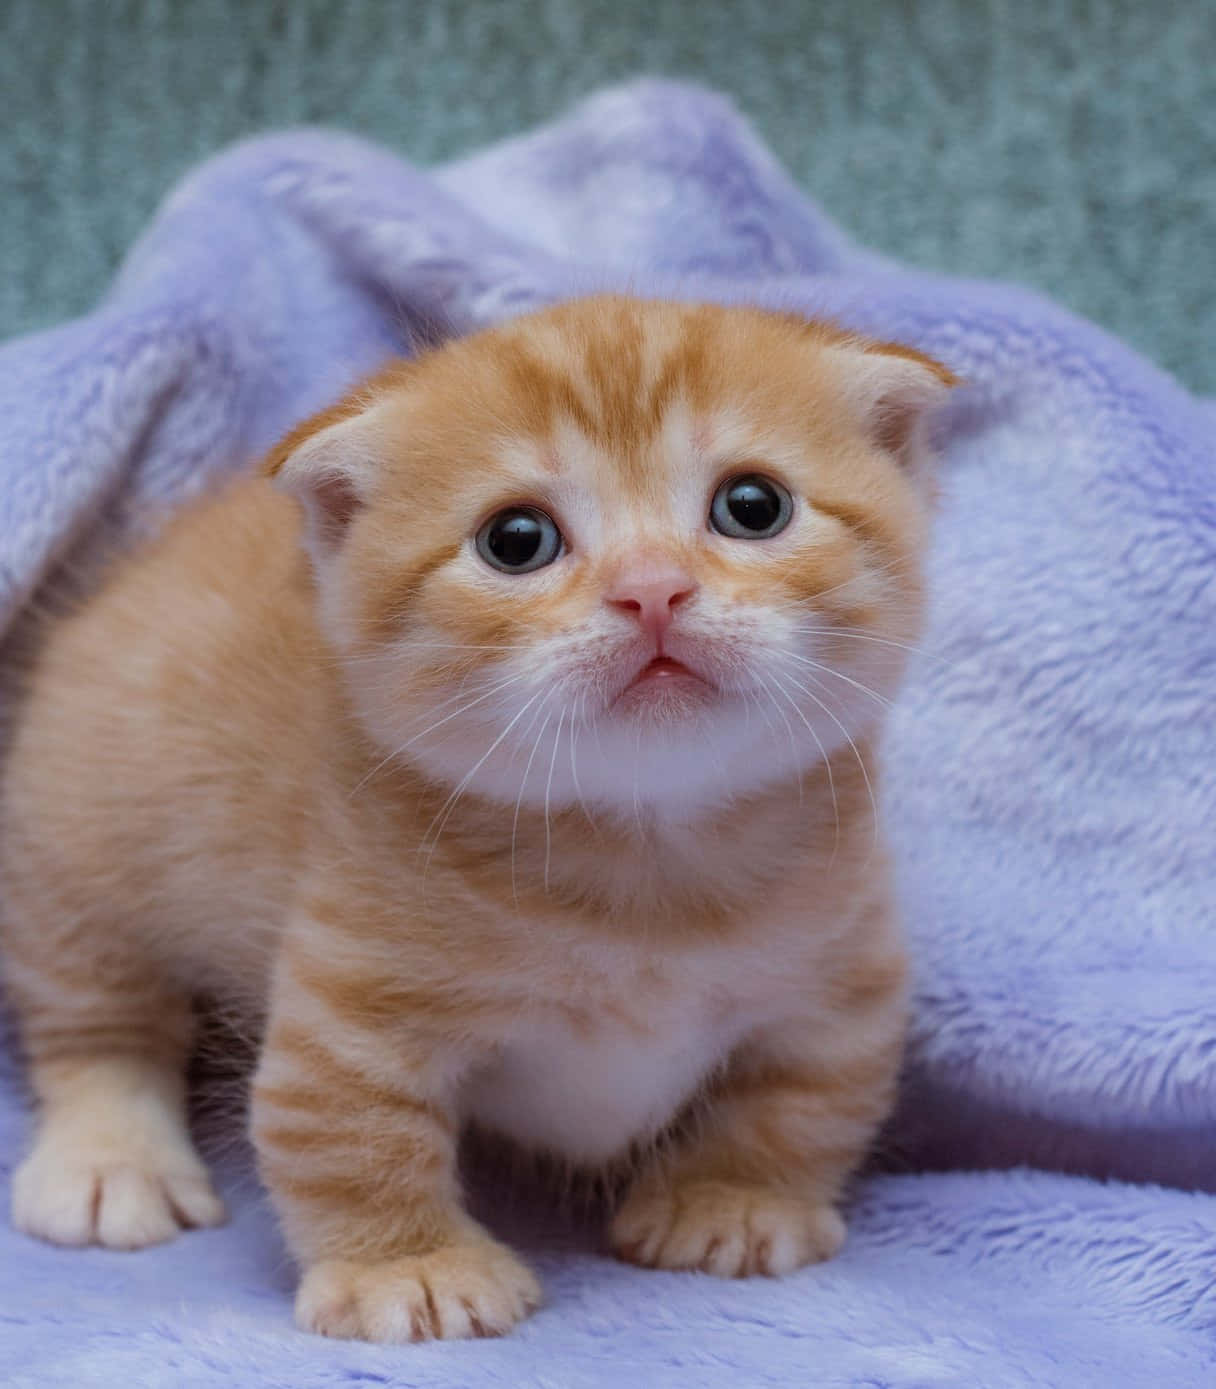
x=1069, y=144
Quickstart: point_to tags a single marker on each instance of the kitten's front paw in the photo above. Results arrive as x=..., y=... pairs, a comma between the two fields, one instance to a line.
x=67, y=1199
x=731, y=1231
x=476, y=1289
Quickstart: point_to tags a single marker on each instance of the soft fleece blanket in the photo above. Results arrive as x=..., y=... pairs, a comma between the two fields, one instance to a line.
x=1051, y=785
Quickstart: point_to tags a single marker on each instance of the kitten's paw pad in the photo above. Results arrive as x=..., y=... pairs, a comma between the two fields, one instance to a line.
x=122, y=1205
x=460, y=1291
x=731, y=1231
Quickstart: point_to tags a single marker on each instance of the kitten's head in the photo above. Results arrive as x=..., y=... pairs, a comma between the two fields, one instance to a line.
x=646, y=555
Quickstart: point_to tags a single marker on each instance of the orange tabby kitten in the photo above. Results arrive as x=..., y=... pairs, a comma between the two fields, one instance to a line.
x=508, y=760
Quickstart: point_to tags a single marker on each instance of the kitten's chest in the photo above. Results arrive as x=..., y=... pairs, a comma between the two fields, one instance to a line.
x=612, y=1058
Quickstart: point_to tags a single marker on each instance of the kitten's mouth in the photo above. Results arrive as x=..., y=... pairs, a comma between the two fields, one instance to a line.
x=664, y=680
x=664, y=668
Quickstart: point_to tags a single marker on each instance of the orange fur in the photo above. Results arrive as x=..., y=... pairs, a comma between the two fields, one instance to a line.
x=397, y=809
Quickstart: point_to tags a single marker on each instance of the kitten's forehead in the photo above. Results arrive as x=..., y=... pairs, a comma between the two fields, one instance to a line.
x=643, y=465
x=655, y=484
x=609, y=374
x=644, y=387
x=623, y=399
x=630, y=405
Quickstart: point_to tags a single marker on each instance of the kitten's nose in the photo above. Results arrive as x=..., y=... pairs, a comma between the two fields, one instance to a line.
x=651, y=590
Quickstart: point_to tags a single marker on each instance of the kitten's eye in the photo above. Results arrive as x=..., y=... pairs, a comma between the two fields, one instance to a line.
x=519, y=540
x=750, y=508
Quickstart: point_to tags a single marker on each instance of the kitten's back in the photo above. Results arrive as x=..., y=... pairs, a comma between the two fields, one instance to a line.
x=165, y=746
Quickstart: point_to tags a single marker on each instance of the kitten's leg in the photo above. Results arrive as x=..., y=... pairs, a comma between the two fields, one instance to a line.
x=755, y=1189
x=356, y=1130
x=112, y=1161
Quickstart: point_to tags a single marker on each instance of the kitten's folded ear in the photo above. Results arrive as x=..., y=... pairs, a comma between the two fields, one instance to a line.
x=329, y=463
x=893, y=389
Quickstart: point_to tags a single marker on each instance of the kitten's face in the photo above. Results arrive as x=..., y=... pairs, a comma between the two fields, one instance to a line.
x=643, y=555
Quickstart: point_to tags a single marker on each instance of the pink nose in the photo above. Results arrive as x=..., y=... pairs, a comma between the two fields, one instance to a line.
x=651, y=591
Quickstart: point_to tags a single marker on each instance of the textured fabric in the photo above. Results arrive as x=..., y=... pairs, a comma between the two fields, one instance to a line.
x=1051, y=784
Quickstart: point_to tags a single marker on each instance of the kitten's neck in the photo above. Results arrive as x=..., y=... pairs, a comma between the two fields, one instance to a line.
x=648, y=869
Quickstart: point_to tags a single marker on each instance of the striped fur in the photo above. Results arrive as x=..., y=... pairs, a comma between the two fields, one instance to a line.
x=310, y=755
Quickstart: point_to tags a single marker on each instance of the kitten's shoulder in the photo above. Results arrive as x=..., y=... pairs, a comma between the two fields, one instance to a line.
x=226, y=561
x=215, y=612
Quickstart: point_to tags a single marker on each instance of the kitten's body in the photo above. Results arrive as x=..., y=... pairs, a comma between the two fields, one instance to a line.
x=568, y=925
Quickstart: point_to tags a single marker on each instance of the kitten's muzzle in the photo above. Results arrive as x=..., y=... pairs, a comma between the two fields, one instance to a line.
x=649, y=589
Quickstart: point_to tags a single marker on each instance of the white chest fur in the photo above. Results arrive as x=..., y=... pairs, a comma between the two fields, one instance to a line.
x=586, y=1095
x=615, y=1065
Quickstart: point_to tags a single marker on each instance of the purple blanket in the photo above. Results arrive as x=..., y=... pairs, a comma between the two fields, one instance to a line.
x=1051, y=787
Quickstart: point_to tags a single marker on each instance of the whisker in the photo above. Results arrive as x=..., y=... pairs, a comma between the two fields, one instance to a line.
x=789, y=728
x=748, y=697
x=464, y=709
x=856, y=753
x=840, y=675
x=768, y=723
x=397, y=751
x=375, y=771
x=599, y=741
x=519, y=800
x=406, y=647
x=888, y=569
x=461, y=647
x=557, y=738
x=637, y=761
x=578, y=790
x=716, y=750
x=853, y=634
x=445, y=810
x=827, y=762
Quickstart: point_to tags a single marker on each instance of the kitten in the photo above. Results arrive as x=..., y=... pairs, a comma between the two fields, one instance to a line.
x=507, y=760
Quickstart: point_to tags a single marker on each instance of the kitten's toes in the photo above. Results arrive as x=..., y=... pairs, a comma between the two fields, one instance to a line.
x=122, y=1205
x=719, y=1228
x=478, y=1289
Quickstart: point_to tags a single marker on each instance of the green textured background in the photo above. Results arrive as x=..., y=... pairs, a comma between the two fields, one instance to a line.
x=1066, y=144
